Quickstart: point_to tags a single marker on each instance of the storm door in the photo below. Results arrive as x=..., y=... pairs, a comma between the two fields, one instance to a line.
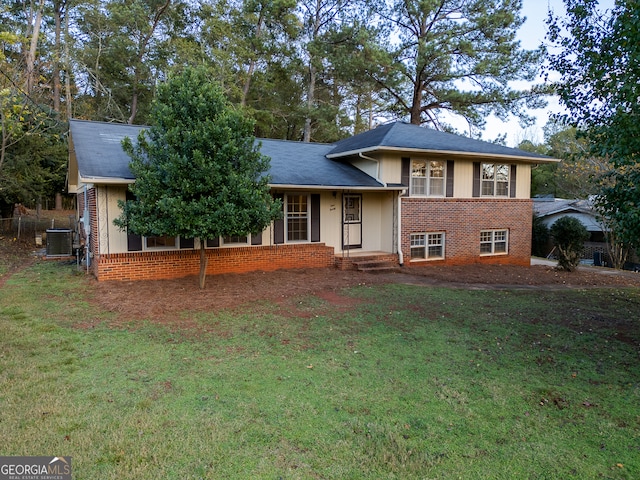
x=351, y=221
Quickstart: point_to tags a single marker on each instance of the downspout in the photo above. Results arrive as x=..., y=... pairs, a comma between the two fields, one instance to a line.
x=400, y=255
x=384, y=184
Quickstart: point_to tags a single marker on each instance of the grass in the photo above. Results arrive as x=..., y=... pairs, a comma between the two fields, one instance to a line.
x=412, y=382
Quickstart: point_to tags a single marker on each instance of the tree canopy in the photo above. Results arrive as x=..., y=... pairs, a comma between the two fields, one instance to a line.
x=198, y=169
x=312, y=70
x=457, y=57
x=599, y=63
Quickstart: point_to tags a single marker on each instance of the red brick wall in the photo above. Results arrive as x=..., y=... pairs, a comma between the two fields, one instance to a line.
x=462, y=220
x=182, y=263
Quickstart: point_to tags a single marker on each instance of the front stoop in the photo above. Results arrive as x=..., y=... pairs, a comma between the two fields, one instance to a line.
x=386, y=263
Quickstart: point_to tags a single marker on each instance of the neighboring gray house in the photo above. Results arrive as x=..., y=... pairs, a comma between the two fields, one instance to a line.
x=550, y=209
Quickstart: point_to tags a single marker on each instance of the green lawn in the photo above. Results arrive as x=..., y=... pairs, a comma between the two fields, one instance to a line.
x=412, y=382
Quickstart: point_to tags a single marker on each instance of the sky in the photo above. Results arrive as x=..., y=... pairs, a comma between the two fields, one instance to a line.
x=531, y=35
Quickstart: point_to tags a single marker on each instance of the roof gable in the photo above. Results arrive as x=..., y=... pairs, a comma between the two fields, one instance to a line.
x=401, y=136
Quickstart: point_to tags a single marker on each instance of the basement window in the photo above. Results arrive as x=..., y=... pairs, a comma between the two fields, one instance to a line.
x=427, y=246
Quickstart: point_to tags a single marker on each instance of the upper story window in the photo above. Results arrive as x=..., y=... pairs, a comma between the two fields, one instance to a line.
x=428, y=178
x=297, y=218
x=495, y=180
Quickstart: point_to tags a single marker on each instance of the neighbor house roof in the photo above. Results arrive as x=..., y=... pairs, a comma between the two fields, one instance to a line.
x=547, y=206
x=413, y=138
x=97, y=150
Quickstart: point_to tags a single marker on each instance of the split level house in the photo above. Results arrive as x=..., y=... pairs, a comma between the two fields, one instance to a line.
x=399, y=193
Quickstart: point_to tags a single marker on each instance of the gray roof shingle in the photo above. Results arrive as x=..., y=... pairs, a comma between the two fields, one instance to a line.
x=99, y=153
x=298, y=163
x=98, y=148
x=405, y=136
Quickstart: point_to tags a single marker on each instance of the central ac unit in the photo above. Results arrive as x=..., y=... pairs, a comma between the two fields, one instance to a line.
x=59, y=243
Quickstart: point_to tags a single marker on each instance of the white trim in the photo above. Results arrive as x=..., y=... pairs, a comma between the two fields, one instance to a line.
x=427, y=178
x=146, y=248
x=286, y=217
x=282, y=186
x=495, y=180
x=493, y=242
x=426, y=257
x=400, y=150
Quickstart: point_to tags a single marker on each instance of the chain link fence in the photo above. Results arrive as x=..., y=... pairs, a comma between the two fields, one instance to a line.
x=30, y=228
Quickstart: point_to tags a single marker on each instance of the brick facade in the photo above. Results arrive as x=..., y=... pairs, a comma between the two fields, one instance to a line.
x=182, y=263
x=462, y=220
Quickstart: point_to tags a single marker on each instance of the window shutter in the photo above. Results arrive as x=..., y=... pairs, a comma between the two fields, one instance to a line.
x=476, y=179
x=315, y=217
x=186, y=243
x=449, y=178
x=278, y=225
x=256, y=239
x=406, y=172
x=134, y=242
x=512, y=182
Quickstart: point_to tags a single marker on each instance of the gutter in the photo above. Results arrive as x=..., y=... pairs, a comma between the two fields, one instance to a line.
x=400, y=255
x=461, y=153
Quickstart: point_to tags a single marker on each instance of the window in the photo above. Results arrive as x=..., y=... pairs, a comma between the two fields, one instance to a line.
x=427, y=178
x=297, y=218
x=235, y=239
x=493, y=242
x=162, y=242
x=428, y=246
x=495, y=180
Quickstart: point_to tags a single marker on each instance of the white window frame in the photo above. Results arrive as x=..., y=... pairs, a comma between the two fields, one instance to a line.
x=425, y=241
x=428, y=178
x=222, y=243
x=247, y=241
x=494, y=239
x=297, y=216
x=147, y=248
x=490, y=183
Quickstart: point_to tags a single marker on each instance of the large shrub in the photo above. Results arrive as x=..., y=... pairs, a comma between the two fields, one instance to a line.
x=539, y=237
x=569, y=235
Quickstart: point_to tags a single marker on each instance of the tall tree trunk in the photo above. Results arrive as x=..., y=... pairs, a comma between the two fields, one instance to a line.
x=252, y=62
x=416, y=104
x=203, y=262
x=311, y=99
x=144, y=43
x=67, y=67
x=57, y=89
x=30, y=56
x=134, y=102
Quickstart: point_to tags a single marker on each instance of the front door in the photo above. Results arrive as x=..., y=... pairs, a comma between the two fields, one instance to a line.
x=352, y=221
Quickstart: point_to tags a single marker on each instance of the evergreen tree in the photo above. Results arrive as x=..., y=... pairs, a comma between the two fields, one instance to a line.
x=457, y=57
x=199, y=172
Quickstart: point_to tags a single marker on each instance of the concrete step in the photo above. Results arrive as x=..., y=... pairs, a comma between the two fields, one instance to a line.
x=375, y=266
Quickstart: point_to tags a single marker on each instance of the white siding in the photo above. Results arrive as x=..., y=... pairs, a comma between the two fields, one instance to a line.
x=112, y=239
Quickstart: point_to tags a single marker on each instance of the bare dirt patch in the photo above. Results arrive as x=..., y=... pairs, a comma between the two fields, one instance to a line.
x=160, y=300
